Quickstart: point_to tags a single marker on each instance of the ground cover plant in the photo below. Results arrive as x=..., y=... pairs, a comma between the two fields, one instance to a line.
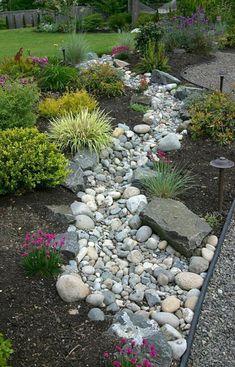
x=28, y=160
x=5, y=351
x=86, y=129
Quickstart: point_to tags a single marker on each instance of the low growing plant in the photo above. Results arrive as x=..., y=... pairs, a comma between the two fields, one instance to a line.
x=137, y=107
x=58, y=78
x=76, y=49
x=169, y=181
x=149, y=33
x=5, y=351
x=86, y=129
x=70, y=102
x=101, y=80
x=28, y=160
x=17, y=103
x=213, y=219
x=40, y=254
x=24, y=68
x=213, y=116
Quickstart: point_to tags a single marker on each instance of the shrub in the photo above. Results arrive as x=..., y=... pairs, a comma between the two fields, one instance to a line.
x=58, y=78
x=101, y=80
x=169, y=181
x=213, y=117
x=28, y=160
x=150, y=32
x=16, y=105
x=40, y=254
x=227, y=40
x=85, y=130
x=137, y=107
x=76, y=49
x=145, y=18
x=69, y=102
x=24, y=68
x=154, y=58
x=92, y=22
x=5, y=351
x=119, y=21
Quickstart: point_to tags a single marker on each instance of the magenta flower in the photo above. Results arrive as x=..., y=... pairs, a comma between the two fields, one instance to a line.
x=117, y=364
x=106, y=355
x=123, y=341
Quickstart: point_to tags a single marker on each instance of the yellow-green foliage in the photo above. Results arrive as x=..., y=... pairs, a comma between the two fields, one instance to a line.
x=28, y=160
x=213, y=116
x=86, y=129
x=69, y=102
x=23, y=68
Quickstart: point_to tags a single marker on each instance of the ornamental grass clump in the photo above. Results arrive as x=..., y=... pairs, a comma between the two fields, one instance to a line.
x=40, y=254
x=169, y=181
x=130, y=354
x=76, y=49
x=87, y=129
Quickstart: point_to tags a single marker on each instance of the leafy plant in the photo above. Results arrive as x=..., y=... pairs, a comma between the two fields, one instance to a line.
x=5, y=351
x=169, y=181
x=106, y=7
x=101, y=80
x=58, y=78
x=213, y=219
x=28, y=160
x=145, y=18
x=69, y=102
x=126, y=39
x=40, y=254
x=76, y=49
x=227, y=40
x=213, y=116
x=86, y=129
x=154, y=58
x=119, y=21
x=24, y=68
x=17, y=102
x=149, y=33
x=92, y=22
x=137, y=107
x=130, y=354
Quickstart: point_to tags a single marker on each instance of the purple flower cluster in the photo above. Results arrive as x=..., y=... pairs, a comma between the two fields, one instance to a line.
x=119, y=50
x=197, y=19
x=3, y=79
x=40, y=60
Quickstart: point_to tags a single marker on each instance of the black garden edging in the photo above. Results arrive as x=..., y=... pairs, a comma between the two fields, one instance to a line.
x=190, y=338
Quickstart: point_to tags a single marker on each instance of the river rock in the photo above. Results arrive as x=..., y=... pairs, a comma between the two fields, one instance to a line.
x=212, y=240
x=143, y=233
x=95, y=314
x=198, y=265
x=130, y=192
x=170, y=332
x=163, y=318
x=71, y=288
x=95, y=299
x=207, y=254
x=170, y=304
x=178, y=347
x=152, y=297
x=79, y=208
x=135, y=257
x=136, y=203
x=141, y=129
x=187, y=280
x=174, y=222
x=169, y=142
x=84, y=222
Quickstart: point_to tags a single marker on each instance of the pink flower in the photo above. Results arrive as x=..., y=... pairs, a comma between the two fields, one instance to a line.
x=24, y=254
x=123, y=341
x=118, y=348
x=133, y=360
x=153, y=353
x=117, y=364
x=146, y=363
x=106, y=355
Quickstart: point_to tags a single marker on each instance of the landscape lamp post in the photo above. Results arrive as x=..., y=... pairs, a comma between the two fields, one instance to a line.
x=222, y=163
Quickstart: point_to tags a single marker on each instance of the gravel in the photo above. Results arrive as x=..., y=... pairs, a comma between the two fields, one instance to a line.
x=214, y=343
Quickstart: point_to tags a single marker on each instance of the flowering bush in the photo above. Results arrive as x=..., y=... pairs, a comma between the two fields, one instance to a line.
x=40, y=254
x=193, y=33
x=40, y=60
x=129, y=354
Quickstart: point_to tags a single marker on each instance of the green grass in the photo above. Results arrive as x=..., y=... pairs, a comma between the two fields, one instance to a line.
x=43, y=44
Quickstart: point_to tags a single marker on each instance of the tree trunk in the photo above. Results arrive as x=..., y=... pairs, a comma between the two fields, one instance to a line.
x=135, y=10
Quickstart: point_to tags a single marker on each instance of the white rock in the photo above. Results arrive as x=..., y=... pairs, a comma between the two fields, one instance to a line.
x=71, y=288
x=170, y=332
x=148, y=118
x=80, y=208
x=162, y=245
x=169, y=142
x=187, y=280
x=115, y=195
x=135, y=257
x=178, y=347
x=136, y=203
x=92, y=253
x=207, y=254
x=210, y=247
x=212, y=240
x=130, y=191
x=100, y=199
x=141, y=129
x=82, y=253
x=84, y=222
x=117, y=288
x=88, y=270
x=187, y=315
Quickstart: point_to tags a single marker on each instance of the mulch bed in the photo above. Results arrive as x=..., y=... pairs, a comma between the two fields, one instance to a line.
x=32, y=315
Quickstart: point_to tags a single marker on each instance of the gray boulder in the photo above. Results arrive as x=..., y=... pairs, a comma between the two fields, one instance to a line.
x=86, y=159
x=174, y=222
x=184, y=92
x=70, y=242
x=169, y=142
x=75, y=180
x=160, y=77
x=141, y=99
x=62, y=213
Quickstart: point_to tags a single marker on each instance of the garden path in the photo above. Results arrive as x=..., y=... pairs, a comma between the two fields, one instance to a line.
x=208, y=74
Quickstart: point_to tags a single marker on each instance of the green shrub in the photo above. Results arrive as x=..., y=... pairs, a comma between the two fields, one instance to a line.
x=28, y=160
x=154, y=58
x=16, y=105
x=5, y=351
x=90, y=130
x=137, y=107
x=22, y=69
x=145, y=18
x=69, y=102
x=213, y=116
x=101, y=80
x=150, y=32
x=169, y=181
x=76, y=49
x=58, y=78
x=227, y=40
x=119, y=21
x=92, y=22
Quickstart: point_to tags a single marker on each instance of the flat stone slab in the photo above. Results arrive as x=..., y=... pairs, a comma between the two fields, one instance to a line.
x=62, y=213
x=174, y=222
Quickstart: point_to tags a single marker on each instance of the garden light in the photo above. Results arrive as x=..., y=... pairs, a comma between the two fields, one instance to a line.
x=222, y=163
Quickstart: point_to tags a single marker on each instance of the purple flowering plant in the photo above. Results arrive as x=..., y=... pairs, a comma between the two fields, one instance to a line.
x=41, y=61
x=40, y=254
x=130, y=354
x=119, y=50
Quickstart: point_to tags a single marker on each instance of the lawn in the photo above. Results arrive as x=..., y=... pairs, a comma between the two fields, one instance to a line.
x=45, y=44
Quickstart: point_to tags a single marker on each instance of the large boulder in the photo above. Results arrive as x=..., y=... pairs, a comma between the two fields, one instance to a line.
x=86, y=159
x=67, y=241
x=174, y=222
x=62, y=213
x=75, y=180
x=71, y=288
x=160, y=77
x=169, y=142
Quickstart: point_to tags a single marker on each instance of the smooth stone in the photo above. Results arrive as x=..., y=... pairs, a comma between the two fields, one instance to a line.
x=143, y=233
x=141, y=129
x=207, y=254
x=118, y=131
x=130, y=191
x=95, y=314
x=82, y=253
x=169, y=142
x=71, y=288
x=135, y=222
x=79, y=208
x=95, y=299
x=137, y=296
x=88, y=270
x=187, y=315
x=135, y=257
x=92, y=253
x=198, y=265
x=170, y=332
x=84, y=222
x=191, y=302
x=170, y=304
x=113, y=307
x=162, y=245
x=178, y=347
x=117, y=288
x=163, y=318
x=152, y=297
x=148, y=118
x=136, y=203
x=162, y=279
x=152, y=243
x=187, y=280
x=212, y=240
x=210, y=247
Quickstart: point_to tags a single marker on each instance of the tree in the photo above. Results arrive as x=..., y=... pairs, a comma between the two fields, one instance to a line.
x=107, y=7
x=18, y=4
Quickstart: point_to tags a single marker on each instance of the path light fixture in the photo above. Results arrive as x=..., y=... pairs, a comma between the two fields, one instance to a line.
x=222, y=163
x=221, y=87
x=63, y=52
